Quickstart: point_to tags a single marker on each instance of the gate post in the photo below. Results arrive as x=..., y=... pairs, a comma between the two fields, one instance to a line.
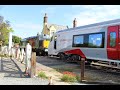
x=33, y=65
x=82, y=68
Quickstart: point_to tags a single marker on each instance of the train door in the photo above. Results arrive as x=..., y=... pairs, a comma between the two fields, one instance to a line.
x=113, y=43
x=119, y=43
x=55, y=42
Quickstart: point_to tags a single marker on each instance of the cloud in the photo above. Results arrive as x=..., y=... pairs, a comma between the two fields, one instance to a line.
x=95, y=13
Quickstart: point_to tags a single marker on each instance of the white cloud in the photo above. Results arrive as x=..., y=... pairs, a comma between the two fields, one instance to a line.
x=96, y=13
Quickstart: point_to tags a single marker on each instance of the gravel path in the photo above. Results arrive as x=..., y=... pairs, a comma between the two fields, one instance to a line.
x=22, y=81
x=11, y=73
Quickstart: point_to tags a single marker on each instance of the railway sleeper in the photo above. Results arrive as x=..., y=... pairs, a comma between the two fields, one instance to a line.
x=112, y=65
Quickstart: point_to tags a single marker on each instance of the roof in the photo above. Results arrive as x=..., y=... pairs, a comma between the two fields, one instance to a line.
x=58, y=27
x=105, y=23
x=29, y=38
x=41, y=37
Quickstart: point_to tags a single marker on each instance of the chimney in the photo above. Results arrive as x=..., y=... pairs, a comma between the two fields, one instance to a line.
x=45, y=18
x=67, y=27
x=74, y=23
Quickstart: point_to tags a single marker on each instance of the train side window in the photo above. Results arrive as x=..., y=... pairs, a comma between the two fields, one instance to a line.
x=51, y=39
x=95, y=40
x=92, y=40
x=78, y=40
x=112, y=39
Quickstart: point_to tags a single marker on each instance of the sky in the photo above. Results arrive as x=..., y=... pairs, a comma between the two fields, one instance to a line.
x=27, y=20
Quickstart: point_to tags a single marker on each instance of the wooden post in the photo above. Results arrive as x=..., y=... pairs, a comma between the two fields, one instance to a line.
x=33, y=65
x=82, y=68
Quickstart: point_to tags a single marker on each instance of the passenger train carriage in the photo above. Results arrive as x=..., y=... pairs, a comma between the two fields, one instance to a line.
x=98, y=42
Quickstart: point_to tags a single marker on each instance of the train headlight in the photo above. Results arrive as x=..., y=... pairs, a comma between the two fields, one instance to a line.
x=46, y=50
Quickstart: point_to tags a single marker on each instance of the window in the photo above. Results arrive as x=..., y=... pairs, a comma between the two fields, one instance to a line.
x=55, y=41
x=51, y=39
x=78, y=40
x=91, y=40
x=112, y=39
x=95, y=40
x=55, y=38
x=52, y=33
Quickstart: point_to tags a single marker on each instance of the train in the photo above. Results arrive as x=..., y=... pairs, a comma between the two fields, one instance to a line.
x=39, y=44
x=97, y=42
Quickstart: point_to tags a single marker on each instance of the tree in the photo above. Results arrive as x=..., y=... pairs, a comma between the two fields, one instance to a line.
x=16, y=39
x=1, y=19
x=4, y=30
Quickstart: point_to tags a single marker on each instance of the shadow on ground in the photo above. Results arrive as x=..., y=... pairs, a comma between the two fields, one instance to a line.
x=10, y=69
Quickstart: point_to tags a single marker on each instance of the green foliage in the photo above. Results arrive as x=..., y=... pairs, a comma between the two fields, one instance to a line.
x=78, y=77
x=42, y=75
x=5, y=29
x=16, y=39
x=68, y=78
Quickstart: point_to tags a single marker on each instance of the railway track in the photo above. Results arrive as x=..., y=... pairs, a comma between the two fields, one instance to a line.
x=94, y=66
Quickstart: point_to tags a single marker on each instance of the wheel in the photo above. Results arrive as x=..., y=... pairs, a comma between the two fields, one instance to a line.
x=62, y=56
x=88, y=62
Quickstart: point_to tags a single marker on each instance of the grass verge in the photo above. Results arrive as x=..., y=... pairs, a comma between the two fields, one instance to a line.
x=42, y=75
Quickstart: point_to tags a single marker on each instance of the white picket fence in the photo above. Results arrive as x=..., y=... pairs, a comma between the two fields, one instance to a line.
x=19, y=54
x=16, y=53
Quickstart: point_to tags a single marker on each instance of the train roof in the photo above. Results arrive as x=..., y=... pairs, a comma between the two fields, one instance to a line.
x=33, y=37
x=29, y=38
x=105, y=23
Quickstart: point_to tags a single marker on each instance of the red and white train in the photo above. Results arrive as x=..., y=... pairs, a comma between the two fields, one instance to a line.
x=94, y=42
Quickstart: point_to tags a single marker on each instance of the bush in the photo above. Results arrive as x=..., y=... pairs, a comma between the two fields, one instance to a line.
x=69, y=77
x=78, y=77
x=42, y=75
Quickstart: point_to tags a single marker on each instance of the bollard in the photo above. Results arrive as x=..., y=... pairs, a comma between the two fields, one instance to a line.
x=82, y=68
x=33, y=65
